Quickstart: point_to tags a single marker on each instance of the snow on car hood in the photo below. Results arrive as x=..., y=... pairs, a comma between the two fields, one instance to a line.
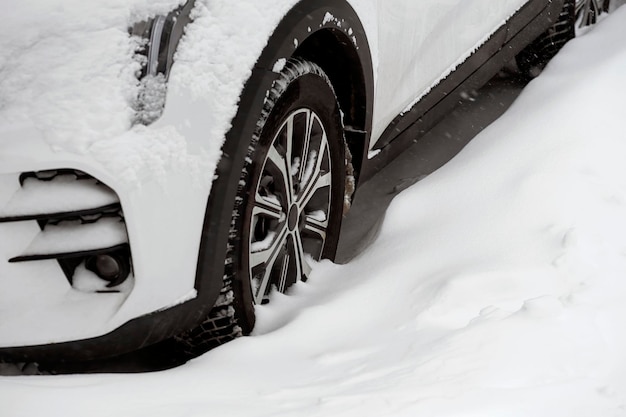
x=67, y=71
x=67, y=67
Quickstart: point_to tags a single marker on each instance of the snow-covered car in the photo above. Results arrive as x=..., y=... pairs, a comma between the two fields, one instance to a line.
x=165, y=165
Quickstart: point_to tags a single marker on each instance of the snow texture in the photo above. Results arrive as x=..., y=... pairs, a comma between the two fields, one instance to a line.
x=68, y=68
x=279, y=65
x=63, y=194
x=72, y=236
x=495, y=288
x=57, y=56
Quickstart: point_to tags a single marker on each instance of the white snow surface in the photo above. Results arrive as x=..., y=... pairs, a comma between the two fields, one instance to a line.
x=72, y=236
x=68, y=72
x=63, y=194
x=495, y=288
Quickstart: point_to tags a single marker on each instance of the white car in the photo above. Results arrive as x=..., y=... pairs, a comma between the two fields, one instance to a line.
x=165, y=166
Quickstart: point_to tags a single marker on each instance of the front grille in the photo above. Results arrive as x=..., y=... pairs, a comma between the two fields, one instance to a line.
x=81, y=221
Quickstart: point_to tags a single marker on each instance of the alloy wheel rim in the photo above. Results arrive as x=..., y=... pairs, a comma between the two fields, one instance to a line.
x=291, y=205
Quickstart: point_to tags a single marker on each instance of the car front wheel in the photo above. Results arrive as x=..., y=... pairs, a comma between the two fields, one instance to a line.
x=292, y=188
x=289, y=204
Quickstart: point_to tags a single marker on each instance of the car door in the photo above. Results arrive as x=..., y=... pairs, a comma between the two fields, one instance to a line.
x=420, y=42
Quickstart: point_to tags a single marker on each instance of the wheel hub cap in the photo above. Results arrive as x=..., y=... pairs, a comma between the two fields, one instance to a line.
x=294, y=216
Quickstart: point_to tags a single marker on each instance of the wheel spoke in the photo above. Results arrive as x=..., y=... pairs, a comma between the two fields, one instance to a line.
x=267, y=258
x=281, y=286
x=317, y=227
x=306, y=147
x=314, y=158
x=316, y=178
x=289, y=160
x=282, y=173
x=267, y=207
x=303, y=269
x=319, y=181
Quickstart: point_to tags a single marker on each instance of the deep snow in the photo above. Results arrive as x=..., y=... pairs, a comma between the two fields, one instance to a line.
x=495, y=288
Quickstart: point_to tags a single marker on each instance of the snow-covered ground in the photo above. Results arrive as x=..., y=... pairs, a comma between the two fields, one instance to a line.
x=496, y=287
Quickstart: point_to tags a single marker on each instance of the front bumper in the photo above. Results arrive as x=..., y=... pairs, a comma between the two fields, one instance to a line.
x=40, y=308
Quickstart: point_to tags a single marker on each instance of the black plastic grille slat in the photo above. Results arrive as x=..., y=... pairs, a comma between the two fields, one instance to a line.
x=51, y=175
x=68, y=255
x=70, y=221
x=62, y=215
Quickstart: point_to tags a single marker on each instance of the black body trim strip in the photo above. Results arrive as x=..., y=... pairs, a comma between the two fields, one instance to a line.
x=69, y=255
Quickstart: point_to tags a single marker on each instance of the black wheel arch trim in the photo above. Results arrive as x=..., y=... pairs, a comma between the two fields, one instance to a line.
x=305, y=20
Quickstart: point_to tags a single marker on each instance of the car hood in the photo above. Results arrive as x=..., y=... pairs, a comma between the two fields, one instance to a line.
x=68, y=86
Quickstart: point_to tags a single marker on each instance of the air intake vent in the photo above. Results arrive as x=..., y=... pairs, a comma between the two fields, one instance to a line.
x=57, y=195
x=80, y=218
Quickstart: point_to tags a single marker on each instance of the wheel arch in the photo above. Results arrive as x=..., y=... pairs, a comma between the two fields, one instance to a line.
x=321, y=31
x=330, y=34
x=334, y=51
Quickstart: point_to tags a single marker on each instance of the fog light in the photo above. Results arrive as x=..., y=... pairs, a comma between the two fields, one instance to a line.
x=113, y=267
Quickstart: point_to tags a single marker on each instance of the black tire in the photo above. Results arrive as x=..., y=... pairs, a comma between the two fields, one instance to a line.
x=587, y=11
x=266, y=213
x=532, y=59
